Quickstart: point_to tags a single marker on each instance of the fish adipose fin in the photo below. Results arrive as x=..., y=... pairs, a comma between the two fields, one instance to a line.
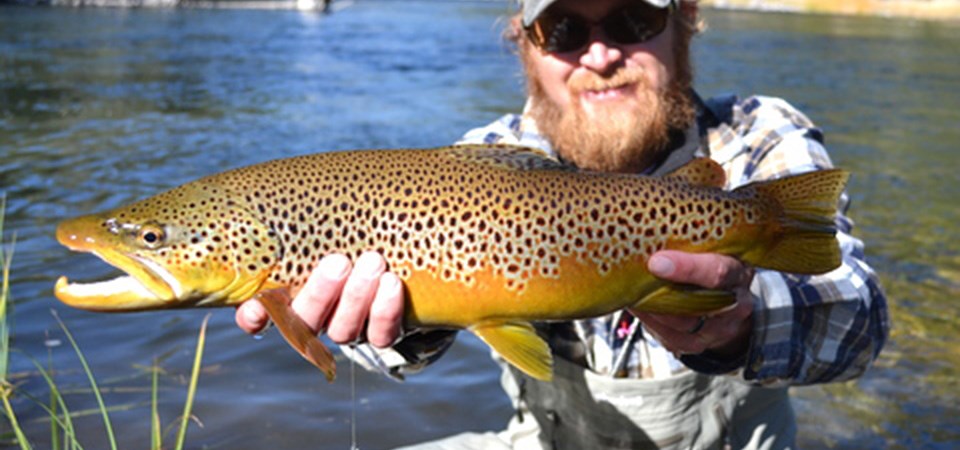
x=806, y=242
x=684, y=300
x=518, y=343
x=296, y=333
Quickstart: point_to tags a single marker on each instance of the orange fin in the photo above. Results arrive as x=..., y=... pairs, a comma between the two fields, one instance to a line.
x=297, y=333
x=701, y=172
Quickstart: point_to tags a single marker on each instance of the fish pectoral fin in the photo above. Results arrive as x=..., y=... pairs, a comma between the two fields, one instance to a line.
x=520, y=345
x=684, y=300
x=297, y=333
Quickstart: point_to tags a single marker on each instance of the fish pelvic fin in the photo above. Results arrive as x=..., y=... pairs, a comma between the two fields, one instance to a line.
x=806, y=242
x=519, y=344
x=684, y=300
x=297, y=333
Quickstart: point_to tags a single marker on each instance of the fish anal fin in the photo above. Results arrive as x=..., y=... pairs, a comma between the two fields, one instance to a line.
x=684, y=300
x=297, y=333
x=520, y=345
x=701, y=172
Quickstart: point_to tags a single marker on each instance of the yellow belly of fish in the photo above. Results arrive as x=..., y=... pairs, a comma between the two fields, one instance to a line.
x=580, y=291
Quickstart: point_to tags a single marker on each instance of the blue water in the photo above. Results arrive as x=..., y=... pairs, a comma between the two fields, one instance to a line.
x=99, y=107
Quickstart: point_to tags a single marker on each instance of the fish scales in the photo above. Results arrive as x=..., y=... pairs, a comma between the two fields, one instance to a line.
x=486, y=238
x=459, y=218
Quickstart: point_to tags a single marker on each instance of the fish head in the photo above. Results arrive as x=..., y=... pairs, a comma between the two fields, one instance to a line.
x=186, y=247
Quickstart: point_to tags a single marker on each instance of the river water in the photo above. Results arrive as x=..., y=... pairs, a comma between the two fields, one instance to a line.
x=99, y=107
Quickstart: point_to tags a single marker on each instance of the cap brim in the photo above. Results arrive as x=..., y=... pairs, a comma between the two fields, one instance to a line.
x=533, y=8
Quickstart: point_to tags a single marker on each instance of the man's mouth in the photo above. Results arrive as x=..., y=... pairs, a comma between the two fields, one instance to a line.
x=607, y=93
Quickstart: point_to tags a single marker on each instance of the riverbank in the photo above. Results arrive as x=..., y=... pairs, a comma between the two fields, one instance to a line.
x=948, y=10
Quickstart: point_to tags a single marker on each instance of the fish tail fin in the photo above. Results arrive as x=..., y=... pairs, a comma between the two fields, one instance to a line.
x=296, y=333
x=806, y=242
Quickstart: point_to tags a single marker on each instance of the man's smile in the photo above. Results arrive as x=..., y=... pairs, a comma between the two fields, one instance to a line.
x=607, y=94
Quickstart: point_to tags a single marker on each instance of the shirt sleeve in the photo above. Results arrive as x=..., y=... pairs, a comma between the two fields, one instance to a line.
x=807, y=329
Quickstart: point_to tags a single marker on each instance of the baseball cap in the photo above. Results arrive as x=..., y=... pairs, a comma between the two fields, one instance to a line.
x=533, y=8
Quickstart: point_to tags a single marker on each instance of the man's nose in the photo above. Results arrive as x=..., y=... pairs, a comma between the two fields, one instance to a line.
x=599, y=56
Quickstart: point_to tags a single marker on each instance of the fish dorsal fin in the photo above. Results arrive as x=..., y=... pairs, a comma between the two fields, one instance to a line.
x=518, y=343
x=503, y=156
x=701, y=172
x=296, y=333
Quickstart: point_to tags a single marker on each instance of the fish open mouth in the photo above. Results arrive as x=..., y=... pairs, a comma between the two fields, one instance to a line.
x=147, y=285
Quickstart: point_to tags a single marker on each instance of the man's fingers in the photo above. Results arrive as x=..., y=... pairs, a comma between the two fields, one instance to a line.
x=727, y=332
x=673, y=322
x=674, y=332
x=386, y=313
x=251, y=316
x=348, y=297
x=708, y=270
x=358, y=293
x=319, y=296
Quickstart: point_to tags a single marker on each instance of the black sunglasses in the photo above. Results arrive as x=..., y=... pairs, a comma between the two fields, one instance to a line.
x=561, y=32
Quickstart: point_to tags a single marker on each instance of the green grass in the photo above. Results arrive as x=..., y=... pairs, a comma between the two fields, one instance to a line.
x=6, y=388
x=62, y=431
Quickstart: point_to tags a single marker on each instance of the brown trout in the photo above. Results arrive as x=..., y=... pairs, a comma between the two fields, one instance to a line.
x=485, y=238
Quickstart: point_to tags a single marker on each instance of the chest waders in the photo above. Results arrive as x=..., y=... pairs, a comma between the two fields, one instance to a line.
x=583, y=410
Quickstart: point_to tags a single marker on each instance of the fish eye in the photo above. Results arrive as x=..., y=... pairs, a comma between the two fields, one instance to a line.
x=151, y=236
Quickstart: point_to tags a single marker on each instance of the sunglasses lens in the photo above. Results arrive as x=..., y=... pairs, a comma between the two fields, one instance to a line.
x=629, y=25
x=563, y=34
x=635, y=24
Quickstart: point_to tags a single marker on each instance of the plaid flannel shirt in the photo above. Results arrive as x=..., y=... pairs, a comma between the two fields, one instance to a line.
x=807, y=329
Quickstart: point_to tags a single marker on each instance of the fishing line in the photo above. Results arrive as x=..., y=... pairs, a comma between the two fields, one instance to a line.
x=353, y=397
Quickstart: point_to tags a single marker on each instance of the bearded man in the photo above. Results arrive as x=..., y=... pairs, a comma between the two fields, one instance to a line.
x=610, y=89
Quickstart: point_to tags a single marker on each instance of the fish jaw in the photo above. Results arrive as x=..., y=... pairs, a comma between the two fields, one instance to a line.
x=128, y=293
x=147, y=285
x=180, y=266
x=119, y=294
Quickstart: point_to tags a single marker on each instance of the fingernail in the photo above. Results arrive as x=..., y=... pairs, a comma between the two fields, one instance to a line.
x=389, y=281
x=369, y=265
x=334, y=267
x=661, y=266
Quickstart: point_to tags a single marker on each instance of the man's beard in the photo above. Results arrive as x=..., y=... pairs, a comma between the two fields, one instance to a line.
x=627, y=135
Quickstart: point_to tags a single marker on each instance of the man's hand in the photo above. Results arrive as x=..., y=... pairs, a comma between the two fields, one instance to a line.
x=726, y=333
x=343, y=300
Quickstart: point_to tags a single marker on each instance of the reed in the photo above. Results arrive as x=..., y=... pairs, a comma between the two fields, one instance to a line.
x=7, y=388
x=62, y=431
